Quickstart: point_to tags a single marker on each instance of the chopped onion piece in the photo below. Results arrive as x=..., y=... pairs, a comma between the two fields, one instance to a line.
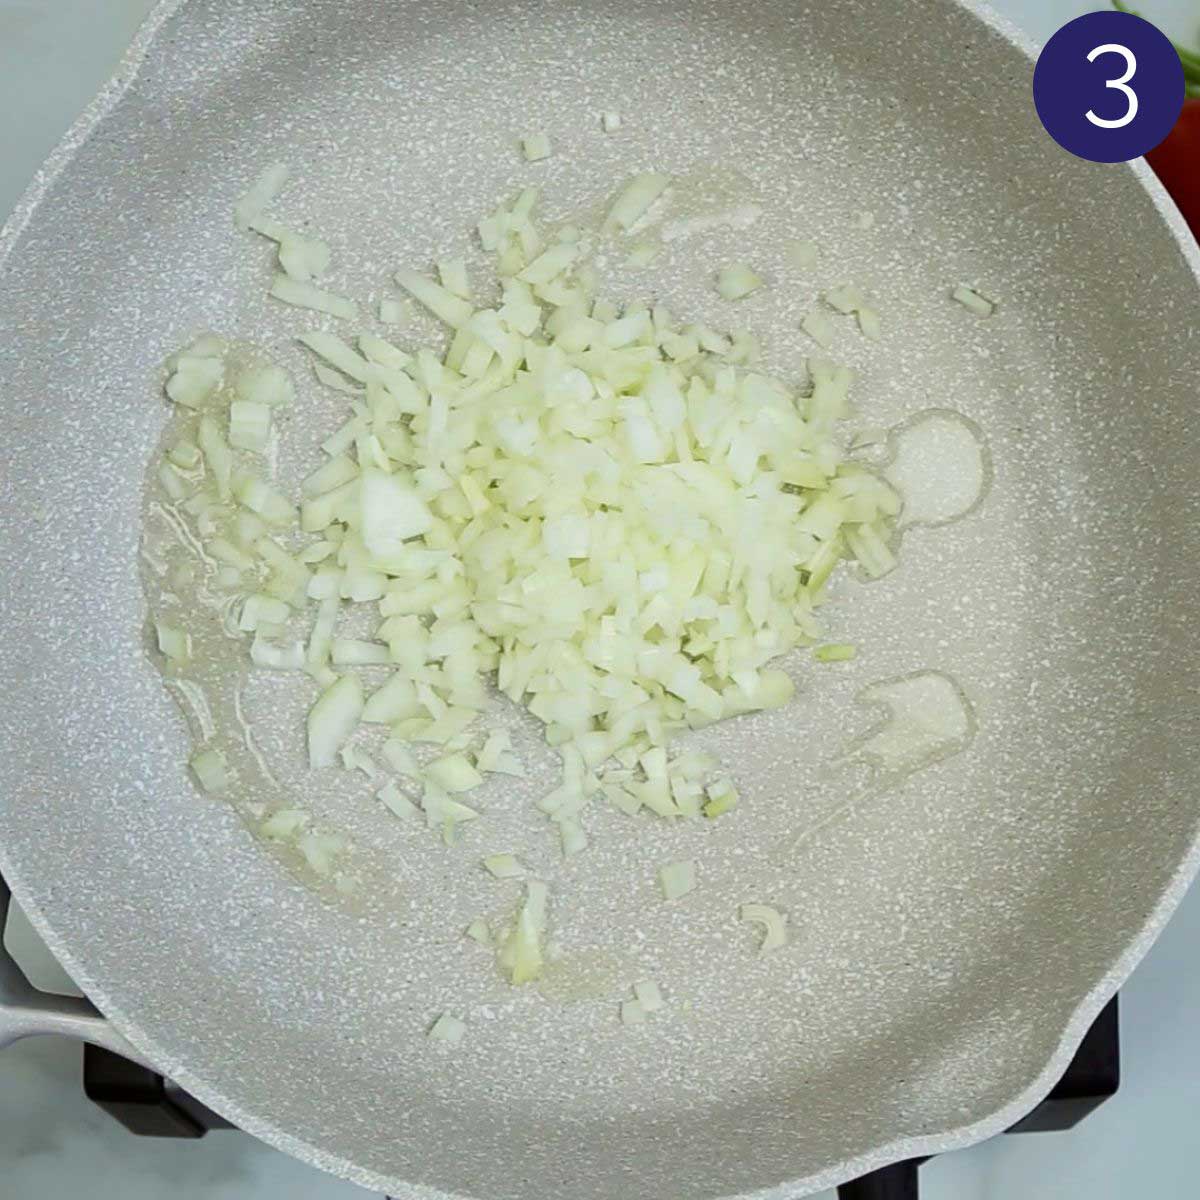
x=264, y=189
x=722, y=798
x=211, y=770
x=773, y=922
x=870, y=549
x=354, y=652
x=636, y=199
x=444, y=305
x=265, y=385
x=973, y=301
x=174, y=643
x=392, y=512
x=610, y=120
x=535, y=147
x=447, y=1029
x=355, y=758
x=648, y=995
x=333, y=718
x=185, y=455
x=320, y=850
x=303, y=258
x=677, y=879
x=845, y=299
x=453, y=274
x=263, y=499
x=479, y=931
x=338, y=354
x=521, y=955
x=632, y=1013
x=195, y=380
x=306, y=295
x=454, y=773
x=834, y=652
x=869, y=323
x=217, y=455
x=249, y=425
x=737, y=281
x=400, y=758
x=284, y=824
x=504, y=866
x=397, y=803
x=277, y=658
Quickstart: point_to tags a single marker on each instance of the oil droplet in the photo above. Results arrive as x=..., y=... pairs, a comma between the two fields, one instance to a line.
x=940, y=465
x=927, y=719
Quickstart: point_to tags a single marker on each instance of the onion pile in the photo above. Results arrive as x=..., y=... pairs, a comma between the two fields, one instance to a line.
x=613, y=517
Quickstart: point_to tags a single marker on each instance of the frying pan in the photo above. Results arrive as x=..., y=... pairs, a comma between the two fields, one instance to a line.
x=959, y=916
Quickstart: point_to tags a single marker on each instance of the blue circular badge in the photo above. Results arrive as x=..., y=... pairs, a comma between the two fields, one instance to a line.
x=1108, y=86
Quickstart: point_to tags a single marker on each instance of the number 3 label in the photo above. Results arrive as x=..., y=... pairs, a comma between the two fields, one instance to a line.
x=1085, y=63
x=1121, y=85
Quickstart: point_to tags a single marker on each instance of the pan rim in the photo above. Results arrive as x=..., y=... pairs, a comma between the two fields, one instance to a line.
x=1073, y=1024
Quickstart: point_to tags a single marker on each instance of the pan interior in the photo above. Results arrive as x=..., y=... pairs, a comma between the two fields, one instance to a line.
x=950, y=909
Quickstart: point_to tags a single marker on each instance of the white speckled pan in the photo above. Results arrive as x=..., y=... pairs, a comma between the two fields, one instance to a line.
x=956, y=926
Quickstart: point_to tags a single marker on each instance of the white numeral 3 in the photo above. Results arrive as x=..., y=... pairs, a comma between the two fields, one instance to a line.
x=1121, y=85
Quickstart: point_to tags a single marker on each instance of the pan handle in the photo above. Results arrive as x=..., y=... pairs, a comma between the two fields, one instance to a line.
x=897, y=1182
x=26, y=1012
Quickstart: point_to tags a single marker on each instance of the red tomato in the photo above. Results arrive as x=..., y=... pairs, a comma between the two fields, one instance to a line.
x=1176, y=162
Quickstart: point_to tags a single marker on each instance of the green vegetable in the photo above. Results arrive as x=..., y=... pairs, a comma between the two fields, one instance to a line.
x=834, y=652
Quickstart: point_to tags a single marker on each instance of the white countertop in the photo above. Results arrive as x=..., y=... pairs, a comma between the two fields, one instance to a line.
x=55, y=1145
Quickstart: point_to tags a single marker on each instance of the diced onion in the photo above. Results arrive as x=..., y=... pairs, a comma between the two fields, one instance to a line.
x=521, y=954
x=635, y=200
x=535, y=147
x=973, y=301
x=834, y=652
x=249, y=425
x=737, y=281
x=454, y=773
x=211, y=770
x=479, y=931
x=869, y=323
x=284, y=824
x=648, y=995
x=618, y=518
x=303, y=258
x=632, y=1013
x=444, y=305
x=772, y=922
x=397, y=803
x=175, y=643
x=677, y=879
x=254, y=203
x=299, y=294
x=504, y=866
x=333, y=719
x=265, y=385
x=447, y=1029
